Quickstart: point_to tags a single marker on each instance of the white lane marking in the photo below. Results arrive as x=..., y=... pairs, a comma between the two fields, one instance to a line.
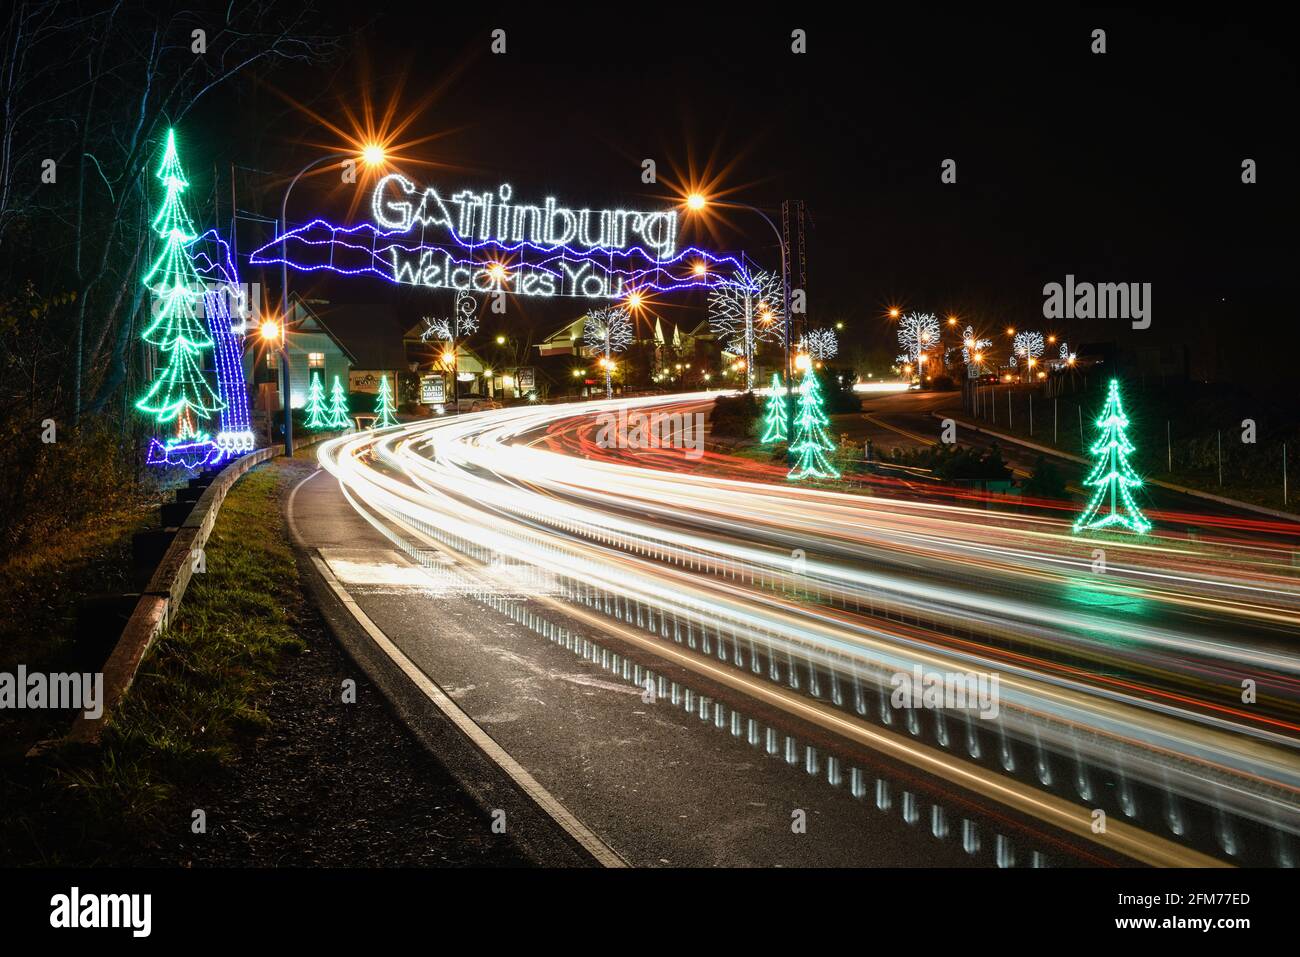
x=603, y=853
x=379, y=566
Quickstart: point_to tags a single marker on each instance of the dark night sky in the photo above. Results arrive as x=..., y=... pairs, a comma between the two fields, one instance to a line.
x=1121, y=167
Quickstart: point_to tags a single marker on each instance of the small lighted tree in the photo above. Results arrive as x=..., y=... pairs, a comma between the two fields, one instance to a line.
x=811, y=442
x=384, y=408
x=1112, y=476
x=339, y=415
x=317, y=414
x=774, y=414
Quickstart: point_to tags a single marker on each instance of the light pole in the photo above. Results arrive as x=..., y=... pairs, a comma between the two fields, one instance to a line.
x=371, y=155
x=284, y=297
x=275, y=336
x=697, y=201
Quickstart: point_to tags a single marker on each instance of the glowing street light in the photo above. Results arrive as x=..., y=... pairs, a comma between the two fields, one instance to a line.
x=371, y=155
x=501, y=340
x=696, y=201
x=893, y=312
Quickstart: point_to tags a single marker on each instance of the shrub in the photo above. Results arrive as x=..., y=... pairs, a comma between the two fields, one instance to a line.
x=1046, y=481
x=734, y=416
x=53, y=487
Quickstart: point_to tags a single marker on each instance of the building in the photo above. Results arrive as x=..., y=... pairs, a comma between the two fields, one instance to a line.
x=372, y=333
x=660, y=351
x=313, y=349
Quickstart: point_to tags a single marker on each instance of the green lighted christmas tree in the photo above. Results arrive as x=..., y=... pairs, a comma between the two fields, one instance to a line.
x=317, y=415
x=811, y=443
x=1112, y=476
x=340, y=416
x=774, y=428
x=179, y=393
x=384, y=407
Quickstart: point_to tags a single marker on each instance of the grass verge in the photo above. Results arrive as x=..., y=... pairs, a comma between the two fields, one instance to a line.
x=195, y=700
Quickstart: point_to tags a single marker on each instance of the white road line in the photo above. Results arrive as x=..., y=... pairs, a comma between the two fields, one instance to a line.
x=605, y=855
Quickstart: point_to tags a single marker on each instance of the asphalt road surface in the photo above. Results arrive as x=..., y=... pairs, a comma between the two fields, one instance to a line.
x=699, y=665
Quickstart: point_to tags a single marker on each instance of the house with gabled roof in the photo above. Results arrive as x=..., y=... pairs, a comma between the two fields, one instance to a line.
x=313, y=349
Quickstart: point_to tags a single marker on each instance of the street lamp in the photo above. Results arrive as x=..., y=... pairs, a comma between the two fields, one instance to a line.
x=273, y=334
x=696, y=202
x=372, y=154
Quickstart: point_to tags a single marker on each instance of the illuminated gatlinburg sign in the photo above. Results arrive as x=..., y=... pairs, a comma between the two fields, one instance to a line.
x=486, y=242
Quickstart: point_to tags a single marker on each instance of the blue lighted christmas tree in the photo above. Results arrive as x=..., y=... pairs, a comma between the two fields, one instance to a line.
x=811, y=443
x=1112, y=476
x=774, y=428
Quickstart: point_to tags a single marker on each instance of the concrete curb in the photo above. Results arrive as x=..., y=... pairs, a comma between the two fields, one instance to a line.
x=160, y=602
x=1195, y=493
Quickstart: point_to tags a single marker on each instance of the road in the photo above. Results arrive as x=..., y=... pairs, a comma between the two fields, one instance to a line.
x=694, y=663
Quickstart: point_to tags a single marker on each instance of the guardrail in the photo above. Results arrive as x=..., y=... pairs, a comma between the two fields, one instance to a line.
x=160, y=601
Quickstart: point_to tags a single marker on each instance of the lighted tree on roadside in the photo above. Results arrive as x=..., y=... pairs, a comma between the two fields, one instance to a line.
x=607, y=331
x=811, y=442
x=1028, y=346
x=317, y=415
x=918, y=333
x=774, y=413
x=180, y=393
x=340, y=417
x=821, y=344
x=744, y=311
x=1112, y=476
x=384, y=408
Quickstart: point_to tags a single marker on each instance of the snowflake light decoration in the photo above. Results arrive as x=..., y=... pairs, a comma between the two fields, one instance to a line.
x=972, y=346
x=462, y=322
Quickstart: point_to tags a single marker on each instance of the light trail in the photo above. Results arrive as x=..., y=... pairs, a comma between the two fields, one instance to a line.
x=1138, y=670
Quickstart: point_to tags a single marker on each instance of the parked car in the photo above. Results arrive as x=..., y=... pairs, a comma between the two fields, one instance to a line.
x=467, y=403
